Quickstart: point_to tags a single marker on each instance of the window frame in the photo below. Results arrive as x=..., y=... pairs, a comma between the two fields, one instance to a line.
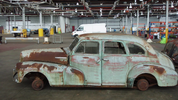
x=146, y=54
x=74, y=51
x=123, y=43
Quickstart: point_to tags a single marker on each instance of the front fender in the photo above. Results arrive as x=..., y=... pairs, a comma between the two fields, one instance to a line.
x=53, y=72
x=164, y=76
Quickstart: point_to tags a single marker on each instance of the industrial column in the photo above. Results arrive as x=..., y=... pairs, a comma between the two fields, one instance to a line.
x=14, y=21
x=137, y=20
x=167, y=8
x=40, y=31
x=51, y=29
x=123, y=25
x=23, y=17
x=131, y=23
x=148, y=19
x=126, y=24
x=24, y=31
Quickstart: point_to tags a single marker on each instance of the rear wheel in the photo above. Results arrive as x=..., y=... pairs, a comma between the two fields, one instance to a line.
x=142, y=84
x=37, y=84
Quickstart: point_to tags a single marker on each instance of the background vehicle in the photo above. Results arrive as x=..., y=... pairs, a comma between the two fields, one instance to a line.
x=20, y=33
x=90, y=28
x=171, y=49
x=98, y=60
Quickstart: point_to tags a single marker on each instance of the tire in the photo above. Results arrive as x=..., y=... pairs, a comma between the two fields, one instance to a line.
x=14, y=35
x=37, y=84
x=75, y=35
x=142, y=84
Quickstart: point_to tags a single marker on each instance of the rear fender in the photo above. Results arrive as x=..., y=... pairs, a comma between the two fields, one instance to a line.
x=164, y=76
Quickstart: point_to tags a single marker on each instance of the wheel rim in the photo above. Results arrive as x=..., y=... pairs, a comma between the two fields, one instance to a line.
x=37, y=84
x=142, y=84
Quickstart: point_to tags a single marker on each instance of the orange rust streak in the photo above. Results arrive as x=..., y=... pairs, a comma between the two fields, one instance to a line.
x=79, y=74
x=47, y=56
x=159, y=70
x=50, y=68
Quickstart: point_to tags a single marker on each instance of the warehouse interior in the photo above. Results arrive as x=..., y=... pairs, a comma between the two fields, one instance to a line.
x=69, y=14
x=51, y=24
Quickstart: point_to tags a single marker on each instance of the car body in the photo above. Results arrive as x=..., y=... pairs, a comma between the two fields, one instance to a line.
x=171, y=49
x=98, y=60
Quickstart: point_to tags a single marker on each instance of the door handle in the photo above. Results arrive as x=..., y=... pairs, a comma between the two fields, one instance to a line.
x=98, y=61
x=85, y=57
x=105, y=59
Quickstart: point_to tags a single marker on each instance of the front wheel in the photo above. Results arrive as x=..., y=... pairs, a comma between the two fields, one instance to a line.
x=142, y=84
x=37, y=84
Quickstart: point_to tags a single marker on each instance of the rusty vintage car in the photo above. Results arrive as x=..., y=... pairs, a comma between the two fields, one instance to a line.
x=171, y=49
x=98, y=60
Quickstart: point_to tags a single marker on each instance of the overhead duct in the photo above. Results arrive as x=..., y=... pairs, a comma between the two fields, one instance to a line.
x=115, y=4
x=87, y=6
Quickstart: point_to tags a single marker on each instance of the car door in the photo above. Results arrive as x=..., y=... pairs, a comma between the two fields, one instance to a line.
x=115, y=64
x=86, y=57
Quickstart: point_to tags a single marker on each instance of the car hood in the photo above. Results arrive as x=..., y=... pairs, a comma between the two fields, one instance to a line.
x=165, y=60
x=54, y=55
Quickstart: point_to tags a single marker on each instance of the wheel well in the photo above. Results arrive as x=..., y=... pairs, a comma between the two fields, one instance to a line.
x=33, y=75
x=150, y=78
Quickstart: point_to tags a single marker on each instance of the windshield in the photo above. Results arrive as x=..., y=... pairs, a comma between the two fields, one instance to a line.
x=80, y=28
x=73, y=44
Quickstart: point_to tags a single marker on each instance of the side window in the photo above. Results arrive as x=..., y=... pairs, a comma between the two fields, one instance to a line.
x=80, y=28
x=135, y=49
x=114, y=48
x=88, y=48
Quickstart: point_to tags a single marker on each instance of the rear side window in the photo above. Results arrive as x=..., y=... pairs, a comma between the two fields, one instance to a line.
x=88, y=48
x=135, y=49
x=114, y=48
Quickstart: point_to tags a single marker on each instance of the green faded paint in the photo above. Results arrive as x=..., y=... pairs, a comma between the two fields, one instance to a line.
x=102, y=69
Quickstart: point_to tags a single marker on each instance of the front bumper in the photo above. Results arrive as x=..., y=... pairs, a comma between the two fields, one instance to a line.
x=15, y=76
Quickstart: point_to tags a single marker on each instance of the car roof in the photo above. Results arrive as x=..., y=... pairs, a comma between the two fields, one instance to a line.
x=117, y=36
x=111, y=36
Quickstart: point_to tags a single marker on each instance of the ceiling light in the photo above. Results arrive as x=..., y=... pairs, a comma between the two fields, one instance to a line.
x=101, y=3
x=62, y=13
x=135, y=14
x=77, y=3
x=101, y=14
x=124, y=11
x=75, y=9
x=130, y=5
x=100, y=9
x=54, y=11
x=141, y=12
x=172, y=4
x=81, y=13
x=135, y=1
x=150, y=11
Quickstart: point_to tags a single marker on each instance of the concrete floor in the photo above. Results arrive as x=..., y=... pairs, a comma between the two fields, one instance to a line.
x=9, y=90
